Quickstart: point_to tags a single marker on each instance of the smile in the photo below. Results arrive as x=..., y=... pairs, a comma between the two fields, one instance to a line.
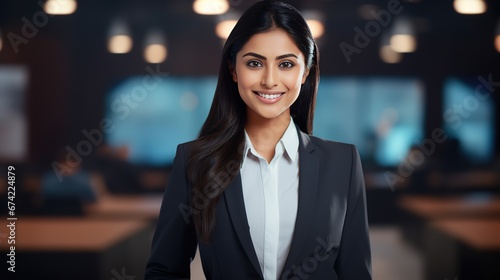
x=269, y=96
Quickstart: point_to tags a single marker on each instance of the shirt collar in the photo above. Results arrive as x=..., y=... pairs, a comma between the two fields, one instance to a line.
x=289, y=140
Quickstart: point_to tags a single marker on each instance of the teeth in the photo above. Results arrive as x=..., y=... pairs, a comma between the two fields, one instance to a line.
x=269, y=96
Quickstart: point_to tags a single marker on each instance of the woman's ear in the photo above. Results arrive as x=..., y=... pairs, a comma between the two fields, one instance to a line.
x=306, y=73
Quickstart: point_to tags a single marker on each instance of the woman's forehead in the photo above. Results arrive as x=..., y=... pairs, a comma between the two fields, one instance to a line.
x=273, y=43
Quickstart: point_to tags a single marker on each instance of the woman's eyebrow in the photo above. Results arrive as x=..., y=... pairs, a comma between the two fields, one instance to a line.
x=285, y=56
x=264, y=58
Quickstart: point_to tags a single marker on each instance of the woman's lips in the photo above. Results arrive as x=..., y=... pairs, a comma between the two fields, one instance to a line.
x=269, y=97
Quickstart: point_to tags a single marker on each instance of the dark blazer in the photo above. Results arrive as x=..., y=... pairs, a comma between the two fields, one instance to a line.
x=330, y=240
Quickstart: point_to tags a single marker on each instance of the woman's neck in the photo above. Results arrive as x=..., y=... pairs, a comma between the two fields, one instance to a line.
x=265, y=133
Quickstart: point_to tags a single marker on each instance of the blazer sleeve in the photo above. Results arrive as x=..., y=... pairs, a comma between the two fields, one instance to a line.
x=174, y=241
x=354, y=259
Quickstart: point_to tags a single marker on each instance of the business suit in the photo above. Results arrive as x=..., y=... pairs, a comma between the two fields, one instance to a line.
x=331, y=231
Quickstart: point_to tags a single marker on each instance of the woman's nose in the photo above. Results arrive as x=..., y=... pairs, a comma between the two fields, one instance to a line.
x=270, y=78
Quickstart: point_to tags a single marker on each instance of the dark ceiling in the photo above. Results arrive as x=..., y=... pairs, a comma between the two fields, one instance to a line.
x=192, y=41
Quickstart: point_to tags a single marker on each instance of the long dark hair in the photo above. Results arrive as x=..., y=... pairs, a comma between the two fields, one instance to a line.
x=216, y=155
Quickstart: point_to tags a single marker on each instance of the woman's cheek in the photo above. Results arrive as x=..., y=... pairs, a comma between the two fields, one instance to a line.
x=293, y=81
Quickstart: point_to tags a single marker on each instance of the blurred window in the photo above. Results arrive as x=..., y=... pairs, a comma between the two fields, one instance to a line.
x=469, y=118
x=151, y=120
x=383, y=117
x=13, y=119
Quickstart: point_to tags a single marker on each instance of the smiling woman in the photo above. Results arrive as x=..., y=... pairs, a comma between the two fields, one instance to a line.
x=276, y=80
x=259, y=195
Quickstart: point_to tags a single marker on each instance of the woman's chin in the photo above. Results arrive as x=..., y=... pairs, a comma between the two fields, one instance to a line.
x=269, y=114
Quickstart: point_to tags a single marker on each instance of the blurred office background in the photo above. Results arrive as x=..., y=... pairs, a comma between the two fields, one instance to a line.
x=96, y=95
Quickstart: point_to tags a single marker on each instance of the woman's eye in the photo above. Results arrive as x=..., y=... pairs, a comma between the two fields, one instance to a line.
x=254, y=64
x=286, y=64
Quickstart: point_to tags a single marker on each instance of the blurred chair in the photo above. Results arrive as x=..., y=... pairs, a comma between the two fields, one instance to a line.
x=118, y=175
x=65, y=194
x=77, y=185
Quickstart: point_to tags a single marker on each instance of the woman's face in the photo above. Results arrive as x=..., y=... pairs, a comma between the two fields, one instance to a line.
x=269, y=70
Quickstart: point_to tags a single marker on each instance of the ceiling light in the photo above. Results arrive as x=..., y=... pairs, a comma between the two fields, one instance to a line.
x=60, y=7
x=403, y=43
x=403, y=37
x=387, y=53
x=469, y=7
x=120, y=44
x=155, y=50
x=497, y=36
x=314, y=20
x=497, y=42
x=119, y=39
x=210, y=7
x=317, y=28
x=226, y=24
x=224, y=28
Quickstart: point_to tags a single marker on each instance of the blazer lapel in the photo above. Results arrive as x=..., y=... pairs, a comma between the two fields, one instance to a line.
x=233, y=195
x=308, y=178
x=308, y=185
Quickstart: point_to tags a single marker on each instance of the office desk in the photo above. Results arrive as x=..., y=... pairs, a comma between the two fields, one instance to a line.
x=416, y=211
x=438, y=207
x=463, y=248
x=126, y=206
x=78, y=248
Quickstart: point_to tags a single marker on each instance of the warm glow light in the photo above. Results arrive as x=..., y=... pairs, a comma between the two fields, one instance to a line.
x=224, y=28
x=120, y=44
x=317, y=28
x=155, y=50
x=403, y=43
x=388, y=55
x=1, y=43
x=60, y=7
x=469, y=7
x=497, y=42
x=155, y=53
x=210, y=7
x=119, y=38
x=314, y=20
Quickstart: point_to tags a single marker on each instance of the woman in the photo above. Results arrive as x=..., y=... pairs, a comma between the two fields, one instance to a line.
x=260, y=196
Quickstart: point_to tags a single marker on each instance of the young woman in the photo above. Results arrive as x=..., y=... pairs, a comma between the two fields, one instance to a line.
x=260, y=196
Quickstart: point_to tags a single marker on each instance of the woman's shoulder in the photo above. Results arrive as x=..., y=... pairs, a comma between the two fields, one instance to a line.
x=330, y=145
x=186, y=145
x=183, y=150
x=334, y=150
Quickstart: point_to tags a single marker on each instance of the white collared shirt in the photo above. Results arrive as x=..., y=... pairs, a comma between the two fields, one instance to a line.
x=270, y=192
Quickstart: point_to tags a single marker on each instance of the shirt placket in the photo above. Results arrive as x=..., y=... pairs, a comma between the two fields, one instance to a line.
x=272, y=219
